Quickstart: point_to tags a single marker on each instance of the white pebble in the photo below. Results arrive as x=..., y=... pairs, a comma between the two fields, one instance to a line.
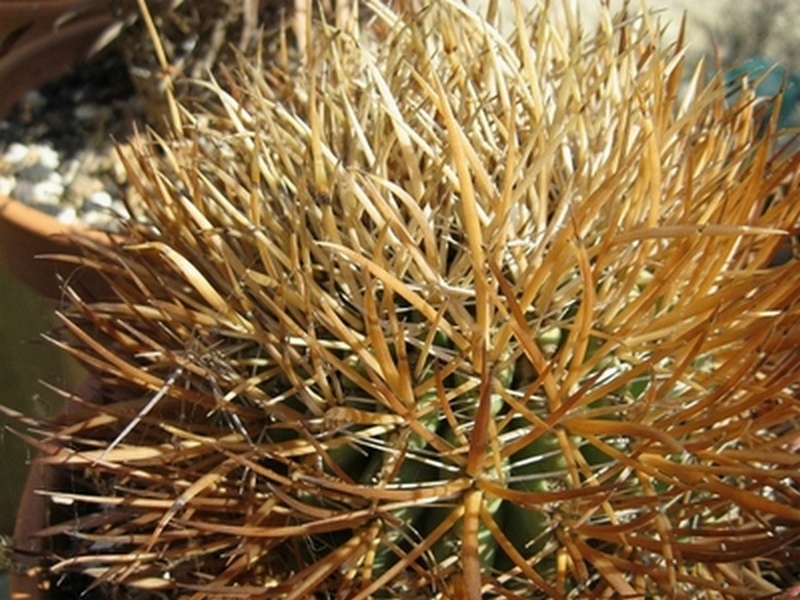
x=48, y=157
x=85, y=112
x=16, y=154
x=42, y=161
x=7, y=185
x=101, y=199
x=70, y=168
x=98, y=220
x=47, y=192
x=92, y=112
x=68, y=216
x=119, y=208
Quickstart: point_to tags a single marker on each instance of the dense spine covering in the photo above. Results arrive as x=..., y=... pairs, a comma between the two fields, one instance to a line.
x=442, y=314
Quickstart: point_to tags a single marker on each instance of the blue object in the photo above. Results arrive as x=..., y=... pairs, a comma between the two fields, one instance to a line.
x=770, y=78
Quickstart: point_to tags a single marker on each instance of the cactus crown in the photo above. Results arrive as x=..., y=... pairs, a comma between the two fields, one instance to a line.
x=446, y=314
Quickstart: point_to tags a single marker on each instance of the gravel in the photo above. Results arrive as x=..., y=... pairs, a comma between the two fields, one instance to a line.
x=57, y=152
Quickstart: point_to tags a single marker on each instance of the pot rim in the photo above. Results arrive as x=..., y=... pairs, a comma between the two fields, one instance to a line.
x=26, y=234
x=28, y=580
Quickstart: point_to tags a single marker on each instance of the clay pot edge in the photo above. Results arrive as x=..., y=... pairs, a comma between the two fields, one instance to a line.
x=27, y=234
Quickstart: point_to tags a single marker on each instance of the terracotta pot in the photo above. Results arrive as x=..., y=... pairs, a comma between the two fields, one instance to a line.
x=22, y=21
x=29, y=579
x=35, y=47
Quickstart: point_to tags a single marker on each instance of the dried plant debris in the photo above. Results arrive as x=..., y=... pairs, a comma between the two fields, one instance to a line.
x=441, y=314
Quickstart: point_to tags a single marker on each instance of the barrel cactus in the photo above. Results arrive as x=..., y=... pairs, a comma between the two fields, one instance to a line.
x=444, y=314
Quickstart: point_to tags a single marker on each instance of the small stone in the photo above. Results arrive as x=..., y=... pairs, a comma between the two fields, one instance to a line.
x=100, y=220
x=33, y=100
x=83, y=185
x=92, y=112
x=7, y=185
x=16, y=155
x=47, y=192
x=101, y=199
x=23, y=191
x=69, y=169
x=41, y=162
x=93, y=220
x=35, y=173
x=48, y=157
x=68, y=216
x=119, y=208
